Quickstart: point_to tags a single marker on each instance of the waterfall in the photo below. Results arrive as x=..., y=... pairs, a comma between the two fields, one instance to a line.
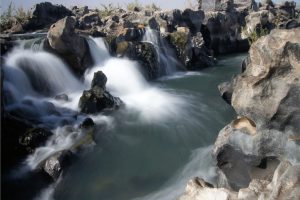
x=127, y=82
x=98, y=50
x=166, y=57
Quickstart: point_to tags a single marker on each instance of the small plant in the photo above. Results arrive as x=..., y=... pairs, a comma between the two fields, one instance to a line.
x=135, y=4
x=153, y=6
x=256, y=34
x=107, y=10
x=12, y=15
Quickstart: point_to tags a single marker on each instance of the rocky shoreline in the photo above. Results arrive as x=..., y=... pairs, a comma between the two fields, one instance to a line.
x=265, y=96
x=257, y=153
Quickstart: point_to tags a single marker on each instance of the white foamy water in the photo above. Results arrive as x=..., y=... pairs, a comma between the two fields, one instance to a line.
x=166, y=57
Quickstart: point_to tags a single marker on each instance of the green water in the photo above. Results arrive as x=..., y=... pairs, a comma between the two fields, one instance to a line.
x=133, y=158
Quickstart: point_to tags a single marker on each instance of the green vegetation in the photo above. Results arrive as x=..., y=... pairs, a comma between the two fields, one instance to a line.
x=12, y=16
x=153, y=6
x=255, y=35
x=107, y=10
x=135, y=4
x=179, y=39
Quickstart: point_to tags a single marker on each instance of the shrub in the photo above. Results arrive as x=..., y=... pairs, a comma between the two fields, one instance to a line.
x=134, y=4
x=256, y=34
x=107, y=10
x=153, y=6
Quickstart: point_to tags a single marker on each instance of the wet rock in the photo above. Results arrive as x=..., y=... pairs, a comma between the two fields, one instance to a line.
x=283, y=185
x=34, y=138
x=97, y=99
x=62, y=97
x=63, y=41
x=55, y=164
x=44, y=14
x=193, y=19
x=87, y=123
x=99, y=79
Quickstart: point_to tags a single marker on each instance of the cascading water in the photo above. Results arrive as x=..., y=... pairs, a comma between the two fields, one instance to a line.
x=166, y=57
x=144, y=151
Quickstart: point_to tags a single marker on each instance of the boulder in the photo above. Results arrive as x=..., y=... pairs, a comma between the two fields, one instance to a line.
x=97, y=99
x=73, y=49
x=34, y=138
x=266, y=97
x=193, y=19
x=284, y=184
x=55, y=164
x=44, y=14
x=89, y=20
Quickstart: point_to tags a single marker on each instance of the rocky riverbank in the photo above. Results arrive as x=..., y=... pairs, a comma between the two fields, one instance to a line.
x=265, y=96
x=258, y=153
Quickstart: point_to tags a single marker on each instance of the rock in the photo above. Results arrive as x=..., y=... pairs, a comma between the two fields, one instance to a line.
x=153, y=24
x=55, y=164
x=266, y=96
x=224, y=5
x=63, y=41
x=89, y=20
x=97, y=99
x=34, y=138
x=193, y=19
x=221, y=32
x=226, y=91
x=44, y=14
x=283, y=185
x=271, y=101
x=99, y=80
x=62, y=97
x=87, y=123
x=250, y=5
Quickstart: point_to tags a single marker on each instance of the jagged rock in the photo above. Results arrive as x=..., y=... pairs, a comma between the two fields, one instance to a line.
x=226, y=91
x=191, y=50
x=224, y=5
x=266, y=95
x=55, y=164
x=284, y=184
x=246, y=4
x=221, y=32
x=193, y=19
x=34, y=138
x=89, y=20
x=63, y=41
x=44, y=14
x=97, y=99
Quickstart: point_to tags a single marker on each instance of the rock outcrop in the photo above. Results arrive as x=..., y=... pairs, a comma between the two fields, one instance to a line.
x=266, y=98
x=97, y=99
x=72, y=48
x=284, y=184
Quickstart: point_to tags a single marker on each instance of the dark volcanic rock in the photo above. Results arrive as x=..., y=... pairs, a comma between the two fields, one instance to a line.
x=34, y=138
x=44, y=14
x=55, y=164
x=97, y=99
x=63, y=41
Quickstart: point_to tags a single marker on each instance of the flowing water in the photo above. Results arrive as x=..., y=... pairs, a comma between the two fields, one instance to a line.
x=148, y=150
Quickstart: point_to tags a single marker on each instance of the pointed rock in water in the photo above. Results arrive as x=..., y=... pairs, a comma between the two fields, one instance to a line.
x=55, y=164
x=97, y=99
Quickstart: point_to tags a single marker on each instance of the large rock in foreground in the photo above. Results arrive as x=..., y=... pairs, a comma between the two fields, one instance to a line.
x=97, y=99
x=284, y=184
x=63, y=41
